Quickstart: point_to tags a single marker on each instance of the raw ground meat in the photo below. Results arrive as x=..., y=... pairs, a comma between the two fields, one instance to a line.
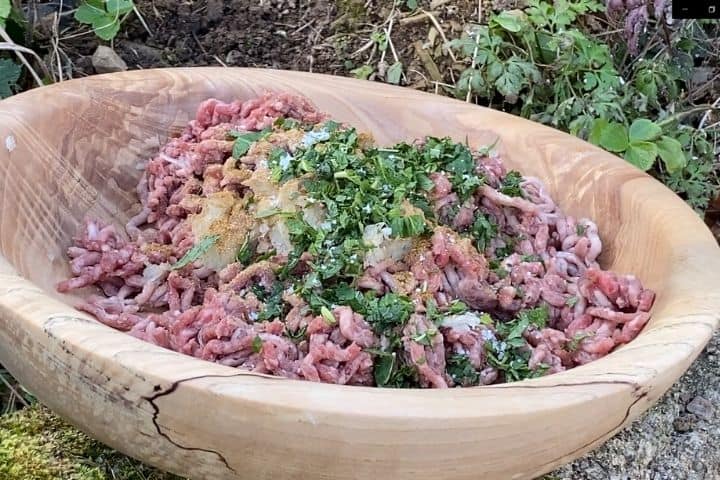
x=216, y=315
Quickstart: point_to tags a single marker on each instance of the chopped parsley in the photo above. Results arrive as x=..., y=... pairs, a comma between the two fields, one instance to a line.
x=197, y=251
x=244, y=140
x=511, y=355
x=274, y=306
x=574, y=343
x=483, y=230
x=257, y=344
x=461, y=371
x=510, y=185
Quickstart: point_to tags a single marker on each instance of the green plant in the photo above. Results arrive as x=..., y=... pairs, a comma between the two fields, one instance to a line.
x=104, y=16
x=544, y=69
x=9, y=76
x=545, y=64
x=5, y=9
x=641, y=144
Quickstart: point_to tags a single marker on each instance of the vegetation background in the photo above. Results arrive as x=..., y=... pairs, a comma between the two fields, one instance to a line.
x=622, y=74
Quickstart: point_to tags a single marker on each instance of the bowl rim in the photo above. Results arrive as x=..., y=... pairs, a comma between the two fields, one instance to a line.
x=690, y=330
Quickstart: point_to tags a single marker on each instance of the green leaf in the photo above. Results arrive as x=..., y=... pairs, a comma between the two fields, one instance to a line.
x=196, y=251
x=5, y=8
x=327, y=316
x=106, y=27
x=9, y=75
x=642, y=155
x=90, y=12
x=411, y=4
x=598, y=126
x=394, y=73
x=257, y=344
x=644, y=130
x=671, y=153
x=363, y=73
x=384, y=367
x=243, y=141
x=614, y=137
x=119, y=7
x=510, y=20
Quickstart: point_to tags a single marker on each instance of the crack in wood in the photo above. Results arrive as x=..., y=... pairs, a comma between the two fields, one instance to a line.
x=637, y=390
x=156, y=412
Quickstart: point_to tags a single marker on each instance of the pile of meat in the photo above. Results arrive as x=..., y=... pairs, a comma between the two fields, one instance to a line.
x=213, y=315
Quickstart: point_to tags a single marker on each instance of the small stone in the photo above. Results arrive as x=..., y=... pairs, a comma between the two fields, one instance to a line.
x=684, y=423
x=701, y=407
x=105, y=60
x=214, y=10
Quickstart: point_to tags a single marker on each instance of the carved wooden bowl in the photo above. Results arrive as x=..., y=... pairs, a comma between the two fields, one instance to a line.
x=71, y=149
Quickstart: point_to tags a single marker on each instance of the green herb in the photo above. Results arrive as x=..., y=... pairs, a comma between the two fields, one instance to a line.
x=389, y=312
x=571, y=301
x=274, y=305
x=530, y=258
x=457, y=306
x=9, y=76
x=244, y=140
x=511, y=355
x=196, y=251
x=483, y=230
x=327, y=316
x=390, y=372
x=461, y=371
x=384, y=366
x=298, y=335
x=245, y=253
x=426, y=337
x=580, y=229
x=486, y=319
x=257, y=344
x=509, y=248
x=510, y=185
x=498, y=269
x=574, y=343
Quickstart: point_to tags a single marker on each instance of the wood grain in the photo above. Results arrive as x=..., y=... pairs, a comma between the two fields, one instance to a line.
x=76, y=147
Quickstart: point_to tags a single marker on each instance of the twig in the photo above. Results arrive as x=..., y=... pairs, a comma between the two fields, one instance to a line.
x=14, y=391
x=440, y=30
x=421, y=17
x=217, y=59
x=680, y=115
x=8, y=44
x=56, y=48
x=474, y=64
x=480, y=11
x=142, y=20
x=388, y=33
x=706, y=117
x=367, y=45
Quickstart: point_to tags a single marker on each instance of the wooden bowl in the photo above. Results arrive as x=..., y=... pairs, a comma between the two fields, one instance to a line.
x=70, y=150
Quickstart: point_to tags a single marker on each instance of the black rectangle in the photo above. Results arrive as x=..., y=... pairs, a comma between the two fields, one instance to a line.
x=696, y=9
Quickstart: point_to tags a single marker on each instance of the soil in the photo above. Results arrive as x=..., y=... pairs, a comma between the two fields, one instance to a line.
x=324, y=36
x=673, y=440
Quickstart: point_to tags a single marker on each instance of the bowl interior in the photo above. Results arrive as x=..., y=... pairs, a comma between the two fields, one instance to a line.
x=76, y=150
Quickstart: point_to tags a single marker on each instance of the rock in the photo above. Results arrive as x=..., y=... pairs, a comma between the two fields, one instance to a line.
x=685, y=423
x=214, y=10
x=672, y=441
x=701, y=407
x=105, y=60
x=145, y=55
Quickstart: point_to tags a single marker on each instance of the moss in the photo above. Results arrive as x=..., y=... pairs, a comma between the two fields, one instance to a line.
x=37, y=445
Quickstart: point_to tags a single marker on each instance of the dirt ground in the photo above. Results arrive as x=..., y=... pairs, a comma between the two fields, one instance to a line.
x=324, y=36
